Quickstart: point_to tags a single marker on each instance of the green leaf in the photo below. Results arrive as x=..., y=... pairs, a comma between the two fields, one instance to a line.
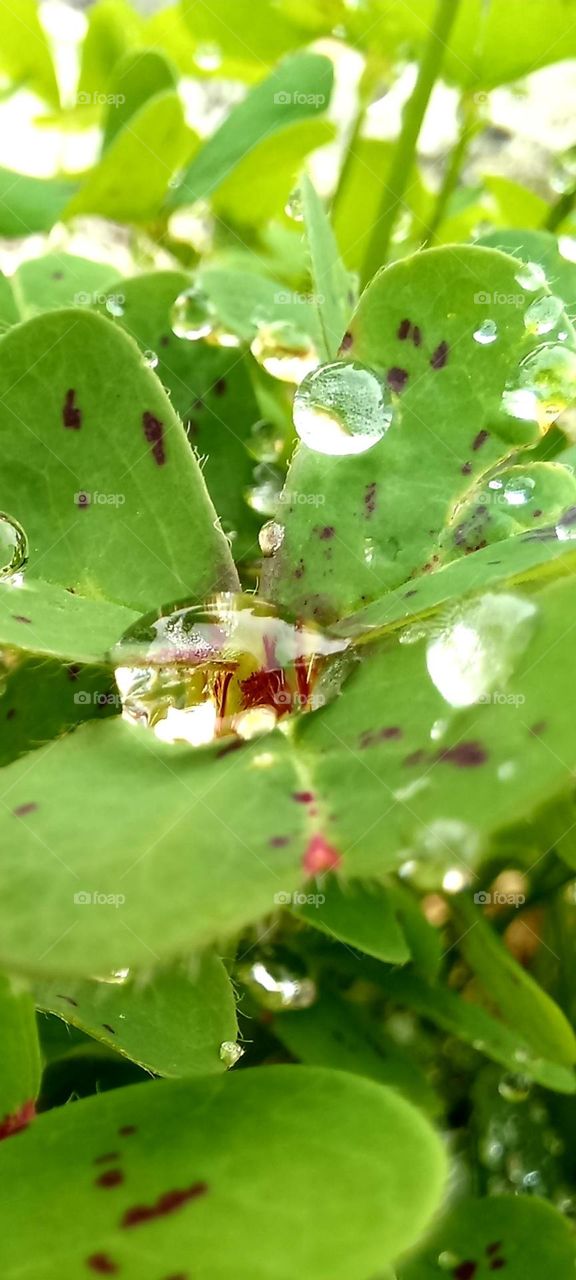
x=59, y=280
x=43, y=699
x=247, y=31
x=359, y=197
x=139, y=76
x=172, y=1022
x=543, y=248
x=269, y=173
x=525, y=1235
x=332, y=286
x=74, y=426
x=520, y=1001
x=363, y=916
x=334, y=1034
x=113, y=28
x=31, y=204
x=20, y=1068
x=342, y=1208
x=131, y=179
x=244, y=300
x=25, y=55
x=471, y=1023
x=386, y=509
x=49, y=620
x=298, y=88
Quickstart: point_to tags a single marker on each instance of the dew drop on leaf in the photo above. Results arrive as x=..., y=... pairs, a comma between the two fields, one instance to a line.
x=293, y=207
x=265, y=442
x=208, y=56
x=230, y=1053
x=271, y=537
x=543, y=315
x=486, y=333
x=342, y=408
x=262, y=496
x=531, y=276
x=514, y=1088
x=284, y=350
x=193, y=316
x=476, y=649
x=13, y=546
x=275, y=985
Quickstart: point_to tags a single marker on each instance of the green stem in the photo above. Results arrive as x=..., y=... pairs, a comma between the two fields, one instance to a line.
x=405, y=149
x=560, y=209
x=469, y=126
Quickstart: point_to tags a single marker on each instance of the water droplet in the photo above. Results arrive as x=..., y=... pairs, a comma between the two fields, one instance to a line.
x=546, y=385
x=263, y=494
x=230, y=1053
x=271, y=537
x=567, y=248
x=478, y=646
x=454, y=880
x=266, y=441
x=193, y=315
x=276, y=986
x=294, y=207
x=439, y=728
x=208, y=56
x=486, y=333
x=514, y=1088
x=284, y=351
x=532, y=1179
x=444, y=851
x=531, y=276
x=342, y=408
x=114, y=306
x=13, y=546
x=193, y=673
x=518, y=490
x=543, y=315
x=448, y=1261
x=151, y=359
x=221, y=337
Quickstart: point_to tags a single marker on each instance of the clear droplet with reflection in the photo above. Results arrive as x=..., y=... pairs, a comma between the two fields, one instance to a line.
x=514, y=1088
x=193, y=315
x=342, y=408
x=266, y=441
x=294, y=208
x=13, y=546
x=234, y=665
x=151, y=359
x=544, y=387
x=277, y=985
x=263, y=495
x=475, y=649
x=486, y=333
x=531, y=276
x=543, y=315
x=271, y=537
x=230, y=1053
x=284, y=350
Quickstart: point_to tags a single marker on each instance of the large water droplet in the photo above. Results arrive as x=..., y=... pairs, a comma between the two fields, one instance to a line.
x=285, y=351
x=277, y=986
x=543, y=315
x=486, y=333
x=546, y=385
x=342, y=408
x=193, y=315
x=476, y=650
x=194, y=673
x=271, y=537
x=13, y=546
x=531, y=276
x=518, y=490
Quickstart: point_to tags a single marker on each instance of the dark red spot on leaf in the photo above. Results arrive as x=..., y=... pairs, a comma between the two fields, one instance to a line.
x=465, y=1271
x=370, y=498
x=68, y=1000
x=497, y=1264
x=278, y=842
x=493, y=1248
x=479, y=440
x=404, y=329
x=416, y=757
x=11, y=713
x=220, y=387
x=106, y=1027
x=417, y=336
x=397, y=378
x=466, y=755
x=18, y=1121
x=326, y=531
x=71, y=414
x=169, y=1202
x=22, y=810
x=537, y=513
x=103, y=1264
x=154, y=433
x=439, y=357
x=304, y=797
x=73, y=671
x=19, y=617
x=320, y=856
x=466, y=469
x=111, y=1178
x=346, y=342
x=127, y=1130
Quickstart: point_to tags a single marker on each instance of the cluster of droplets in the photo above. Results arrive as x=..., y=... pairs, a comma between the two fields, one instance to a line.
x=518, y=1145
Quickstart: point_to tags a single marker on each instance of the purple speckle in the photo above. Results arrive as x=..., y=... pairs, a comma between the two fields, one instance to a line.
x=404, y=330
x=71, y=414
x=154, y=433
x=439, y=357
x=370, y=498
x=347, y=341
x=479, y=440
x=397, y=379
x=19, y=617
x=417, y=336
x=416, y=757
x=466, y=469
x=279, y=842
x=111, y=1178
x=22, y=810
x=220, y=387
x=326, y=531
x=466, y=755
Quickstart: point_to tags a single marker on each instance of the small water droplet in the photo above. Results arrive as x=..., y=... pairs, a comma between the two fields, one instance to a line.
x=266, y=441
x=567, y=248
x=13, y=546
x=114, y=306
x=263, y=494
x=531, y=276
x=514, y=1088
x=230, y=1053
x=208, y=56
x=193, y=315
x=221, y=337
x=271, y=537
x=294, y=208
x=532, y=1179
x=285, y=351
x=448, y=1261
x=486, y=333
x=476, y=650
x=151, y=359
x=276, y=986
x=439, y=728
x=342, y=408
x=543, y=315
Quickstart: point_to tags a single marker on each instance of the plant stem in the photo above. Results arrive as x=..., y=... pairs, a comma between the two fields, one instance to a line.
x=560, y=209
x=468, y=127
x=405, y=149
